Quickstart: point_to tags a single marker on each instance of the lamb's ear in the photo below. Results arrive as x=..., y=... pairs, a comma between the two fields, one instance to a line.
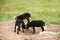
x=15, y=17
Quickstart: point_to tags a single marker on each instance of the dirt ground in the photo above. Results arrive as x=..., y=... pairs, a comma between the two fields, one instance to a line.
x=7, y=32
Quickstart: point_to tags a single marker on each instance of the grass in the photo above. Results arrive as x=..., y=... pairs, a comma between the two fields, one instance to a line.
x=58, y=35
x=46, y=10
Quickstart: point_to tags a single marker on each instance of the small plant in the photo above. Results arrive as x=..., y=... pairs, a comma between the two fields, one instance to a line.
x=58, y=35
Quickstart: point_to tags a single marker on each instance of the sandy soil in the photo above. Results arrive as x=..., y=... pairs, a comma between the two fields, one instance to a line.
x=7, y=32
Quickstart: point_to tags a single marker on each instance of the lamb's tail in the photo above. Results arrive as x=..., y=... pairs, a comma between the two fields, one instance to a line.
x=15, y=17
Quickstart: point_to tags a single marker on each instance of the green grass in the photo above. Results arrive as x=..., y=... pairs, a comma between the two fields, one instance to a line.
x=58, y=35
x=46, y=10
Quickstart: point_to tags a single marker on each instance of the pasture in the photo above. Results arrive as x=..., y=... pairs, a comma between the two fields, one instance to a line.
x=47, y=10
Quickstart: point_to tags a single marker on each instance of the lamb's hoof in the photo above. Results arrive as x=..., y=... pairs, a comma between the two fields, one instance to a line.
x=23, y=31
x=14, y=31
x=17, y=32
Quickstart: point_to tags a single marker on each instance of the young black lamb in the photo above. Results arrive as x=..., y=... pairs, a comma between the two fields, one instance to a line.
x=19, y=23
x=36, y=23
x=24, y=16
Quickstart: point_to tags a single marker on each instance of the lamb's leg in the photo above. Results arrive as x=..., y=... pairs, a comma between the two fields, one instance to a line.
x=15, y=29
x=33, y=30
x=22, y=29
x=18, y=29
x=42, y=28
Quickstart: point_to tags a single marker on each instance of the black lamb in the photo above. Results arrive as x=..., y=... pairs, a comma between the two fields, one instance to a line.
x=36, y=23
x=19, y=21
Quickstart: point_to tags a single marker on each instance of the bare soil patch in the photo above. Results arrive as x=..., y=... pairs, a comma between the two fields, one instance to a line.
x=7, y=32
